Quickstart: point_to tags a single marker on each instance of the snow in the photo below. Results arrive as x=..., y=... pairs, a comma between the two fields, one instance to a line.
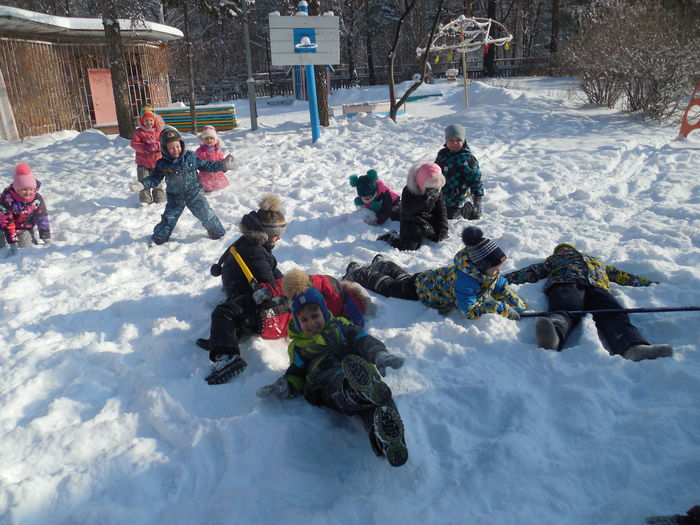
x=106, y=415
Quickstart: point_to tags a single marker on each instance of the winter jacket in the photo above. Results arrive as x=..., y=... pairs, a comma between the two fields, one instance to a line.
x=386, y=203
x=211, y=181
x=462, y=174
x=18, y=215
x=423, y=214
x=139, y=141
x=180, y=174
x=462, y=285
x=257, y=254
x=572, y=266
x=314, y=359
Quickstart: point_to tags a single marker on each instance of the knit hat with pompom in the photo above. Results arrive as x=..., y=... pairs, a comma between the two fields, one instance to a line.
x=483, y=252
x=207, y=131
x=366, y=185
x=24, y=178
x=296, y=286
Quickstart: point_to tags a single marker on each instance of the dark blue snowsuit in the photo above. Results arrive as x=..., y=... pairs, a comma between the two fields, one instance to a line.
x=183, y=189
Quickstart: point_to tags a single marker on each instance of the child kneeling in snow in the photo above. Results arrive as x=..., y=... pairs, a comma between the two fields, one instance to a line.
x=372, y=193
x=423, y=211
x=471, y=283
x=183, y=189
x=332, y=364
x=21, y=209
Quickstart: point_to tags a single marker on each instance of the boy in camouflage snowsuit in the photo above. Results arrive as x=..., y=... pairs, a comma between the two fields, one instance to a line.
x=578, y=281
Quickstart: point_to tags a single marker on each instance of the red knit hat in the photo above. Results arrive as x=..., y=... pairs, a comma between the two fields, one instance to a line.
x=147, y=112
x=24, y=178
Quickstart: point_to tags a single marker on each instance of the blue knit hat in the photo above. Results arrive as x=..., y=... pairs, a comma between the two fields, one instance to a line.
x=309, y=296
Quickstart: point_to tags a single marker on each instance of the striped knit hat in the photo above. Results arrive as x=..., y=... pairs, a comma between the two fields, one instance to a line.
x=483, y=252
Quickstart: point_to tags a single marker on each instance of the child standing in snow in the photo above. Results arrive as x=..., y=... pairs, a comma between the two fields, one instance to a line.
x=577, y=281
x=145, y=141
x=462, y=175
x=372, y=193
x=21, y=209
x=210, y=150
x=332, y=364
x=423, y=213
x=183, y=190
x=472, y=283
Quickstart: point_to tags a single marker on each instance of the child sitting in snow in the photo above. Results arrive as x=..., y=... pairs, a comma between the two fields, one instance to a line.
x=472, y=283
x=210, y=150
x=372, y=193
x=577, y=281
x=332, y=364
x=21, y=209
x=146, y=142
x=423, y=213
x=462, y=175
x=179, y=169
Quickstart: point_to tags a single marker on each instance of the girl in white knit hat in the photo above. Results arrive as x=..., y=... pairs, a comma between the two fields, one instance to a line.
x=210, y=149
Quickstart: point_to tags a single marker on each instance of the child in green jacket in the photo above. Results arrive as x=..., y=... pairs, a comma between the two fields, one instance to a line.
x=332, y=364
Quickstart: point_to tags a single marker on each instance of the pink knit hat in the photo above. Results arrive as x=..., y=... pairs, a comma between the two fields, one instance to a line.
x=429, y=175
x=24, y=178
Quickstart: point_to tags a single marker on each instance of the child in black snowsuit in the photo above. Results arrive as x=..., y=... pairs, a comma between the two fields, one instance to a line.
x=423, y=211
x=577, y=281
x=332, y=364
x=239, y=313
x=462, y=175
x=372, y=193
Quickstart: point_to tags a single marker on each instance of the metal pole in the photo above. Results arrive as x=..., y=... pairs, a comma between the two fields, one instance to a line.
x=313, y=104
x=616, y=311
x=249, y=65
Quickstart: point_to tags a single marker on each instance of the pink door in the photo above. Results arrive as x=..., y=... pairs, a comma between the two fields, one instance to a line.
x=102, y=95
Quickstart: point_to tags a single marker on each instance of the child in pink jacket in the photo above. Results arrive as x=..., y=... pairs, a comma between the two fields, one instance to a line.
x=146, y=142
x=210, y=150
x=372, y=193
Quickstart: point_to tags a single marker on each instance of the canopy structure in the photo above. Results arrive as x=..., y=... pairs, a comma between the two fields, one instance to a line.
x=467, y=34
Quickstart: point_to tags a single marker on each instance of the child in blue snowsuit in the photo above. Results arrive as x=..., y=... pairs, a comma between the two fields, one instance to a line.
x=462, y=175
x=180, y=168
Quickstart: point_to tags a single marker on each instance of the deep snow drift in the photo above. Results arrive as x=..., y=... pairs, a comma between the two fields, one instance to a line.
x=106, y=417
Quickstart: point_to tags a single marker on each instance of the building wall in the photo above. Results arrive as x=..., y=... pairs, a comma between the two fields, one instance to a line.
x=48, y=87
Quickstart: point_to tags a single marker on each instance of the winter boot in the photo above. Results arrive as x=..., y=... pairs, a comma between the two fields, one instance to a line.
x=225, y=368
x=350, y=271
x=389, y=433
x=390, y=268
x=379, y=258
x=641, y=352
x=467, y=210
x=546, y=334
x=364, y=379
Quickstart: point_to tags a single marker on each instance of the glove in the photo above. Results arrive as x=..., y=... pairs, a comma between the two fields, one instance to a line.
x=384, y=359
x=229, y=162
x=476, y=208
x=262, y=294
x=279, y=388
x=375, y=206
x=135, y=185
x=511, y=313
x=152, y=147
x=372, y=221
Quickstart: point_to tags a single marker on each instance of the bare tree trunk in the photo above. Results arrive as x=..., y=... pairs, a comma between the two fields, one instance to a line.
x=394, y=105
x=554, y=43
x=190, y=63
x=368, y=36
x=469, y=7
x=120, y=83
x=320, y=76
x=490, y=58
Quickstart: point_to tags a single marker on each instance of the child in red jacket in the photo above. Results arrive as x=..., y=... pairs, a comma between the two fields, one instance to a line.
x=145, y=141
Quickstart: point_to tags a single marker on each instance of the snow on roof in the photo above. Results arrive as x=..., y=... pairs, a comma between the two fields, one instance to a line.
x=14, y=21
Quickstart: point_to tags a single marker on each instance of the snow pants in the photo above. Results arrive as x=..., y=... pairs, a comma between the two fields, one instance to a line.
x=24, y=239
x=230, y=320
x=615, y=328
x=156, y=194
x=388, y=279
x=199, y=207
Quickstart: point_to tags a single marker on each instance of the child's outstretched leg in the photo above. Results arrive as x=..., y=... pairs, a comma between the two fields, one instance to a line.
x=164, y=229
x=388, y=431
x=365, y=381
x=200, y=208
x=403, y=287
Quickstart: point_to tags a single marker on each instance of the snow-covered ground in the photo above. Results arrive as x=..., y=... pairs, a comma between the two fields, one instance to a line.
x=106, y=417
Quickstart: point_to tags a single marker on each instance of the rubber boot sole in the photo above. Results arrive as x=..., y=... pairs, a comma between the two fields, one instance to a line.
x=389, y=431
x=224, y=372
x=365, y=380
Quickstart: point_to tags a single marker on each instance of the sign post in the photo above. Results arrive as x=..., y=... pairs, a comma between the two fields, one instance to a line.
x=303, y=40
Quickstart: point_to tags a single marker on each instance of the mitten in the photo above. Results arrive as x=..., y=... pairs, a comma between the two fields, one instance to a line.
x=262, y=294
x=511, y=313
x=228, y=162
x=152, y=147
x=135, y=185
x=375, y=206
x=476, y=210
x=384, y=359
x=279, y=388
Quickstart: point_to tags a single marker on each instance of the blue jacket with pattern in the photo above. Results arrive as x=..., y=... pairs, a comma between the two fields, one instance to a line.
x=462, y=285
x=181, y=174
x=462, y=174
x=572, y=266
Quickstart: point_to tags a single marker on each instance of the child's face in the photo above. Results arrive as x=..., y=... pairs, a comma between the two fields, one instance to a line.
x=174, y=148
x=454, y=143
x=310, y=317
x=149, y=122
x=210, y=141
x=368, y=198
x=494, y=270
x=26, y=193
